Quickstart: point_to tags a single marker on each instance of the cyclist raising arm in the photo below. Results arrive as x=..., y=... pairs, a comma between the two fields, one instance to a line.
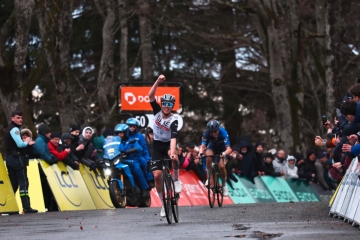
x=165, y=132
x=215, y=141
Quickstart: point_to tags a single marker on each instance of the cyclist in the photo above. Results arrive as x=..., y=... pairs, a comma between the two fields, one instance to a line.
x=122, y=131
x=215, y=141
x=165, y=132
x=144, y=157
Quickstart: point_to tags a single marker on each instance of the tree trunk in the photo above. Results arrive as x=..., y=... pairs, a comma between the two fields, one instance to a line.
x=333, y=42
x=268, y=26
x=124, y=76
x=58, y=22
x=11, y=93
x=106, y=71
x=145, y=37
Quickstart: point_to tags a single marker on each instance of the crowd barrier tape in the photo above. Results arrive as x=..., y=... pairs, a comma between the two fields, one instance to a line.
x=336, y=207
x=35, y=188
x=7, y=198
x=98, y=188
x=68, y=187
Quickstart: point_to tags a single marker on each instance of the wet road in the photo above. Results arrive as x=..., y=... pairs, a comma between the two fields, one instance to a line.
x=250, y=221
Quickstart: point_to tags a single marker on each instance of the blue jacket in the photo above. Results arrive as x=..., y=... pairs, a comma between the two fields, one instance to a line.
x=125, y=145
x=42, y=148
x=221, y=140
x=141, y=140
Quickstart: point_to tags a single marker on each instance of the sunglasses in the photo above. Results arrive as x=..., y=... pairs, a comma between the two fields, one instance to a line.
x=167, y=104
x=214, y=131
x=132, y=126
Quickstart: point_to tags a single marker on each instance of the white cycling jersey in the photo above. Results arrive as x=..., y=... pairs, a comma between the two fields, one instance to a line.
x=164, y=129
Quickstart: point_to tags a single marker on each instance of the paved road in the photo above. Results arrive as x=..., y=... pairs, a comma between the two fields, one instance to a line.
x=257, y=221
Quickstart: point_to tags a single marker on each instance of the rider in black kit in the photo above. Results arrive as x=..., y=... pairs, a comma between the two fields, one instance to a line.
x=165, y=132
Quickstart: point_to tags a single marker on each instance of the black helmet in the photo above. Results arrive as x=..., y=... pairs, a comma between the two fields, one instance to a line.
x=213, y=125
x=168, y=98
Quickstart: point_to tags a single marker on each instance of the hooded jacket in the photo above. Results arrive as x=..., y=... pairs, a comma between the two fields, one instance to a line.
x=290, y=170
x=279, y=164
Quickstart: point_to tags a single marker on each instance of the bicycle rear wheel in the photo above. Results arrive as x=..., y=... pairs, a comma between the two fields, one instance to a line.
x=219, y=188
x=174, y=201
x=166, y=194
x=211, y=187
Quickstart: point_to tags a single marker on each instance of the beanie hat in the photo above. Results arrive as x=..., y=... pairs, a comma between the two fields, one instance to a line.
x=74, y=128
x=55, y=135
x=298, y=156
x=66, y=136
x=259, y=144
x=107, y=132
x=43, y=129
x=321, y=154
x=269, y=155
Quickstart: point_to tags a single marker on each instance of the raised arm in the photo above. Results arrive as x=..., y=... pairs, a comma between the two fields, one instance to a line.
x=152, y=91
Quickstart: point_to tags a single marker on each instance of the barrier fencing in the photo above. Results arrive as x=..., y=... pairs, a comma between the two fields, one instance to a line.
x=87, y=190
x=345, y=202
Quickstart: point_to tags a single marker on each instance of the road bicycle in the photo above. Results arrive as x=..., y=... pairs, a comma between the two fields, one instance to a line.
x=214, y=185
x=169, y=196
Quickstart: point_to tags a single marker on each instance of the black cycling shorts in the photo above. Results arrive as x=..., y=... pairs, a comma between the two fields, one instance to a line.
x=160, y=150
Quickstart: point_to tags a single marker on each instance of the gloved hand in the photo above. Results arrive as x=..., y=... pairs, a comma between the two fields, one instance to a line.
x=93, y=166
x=54, y=160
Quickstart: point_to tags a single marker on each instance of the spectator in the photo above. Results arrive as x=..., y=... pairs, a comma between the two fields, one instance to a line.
x=269, y=167
x=258, y=159
x=149, y=136
x=290, y=169
x=75, y=147
x=190, y=161
x=87, y=155
x=308, y=171
x=247, y=166
x=321, y=169
x=279, y=162
x=53, y=145
x=99, y=141
x=41, y=145
x=71, y=159
x=29, y=150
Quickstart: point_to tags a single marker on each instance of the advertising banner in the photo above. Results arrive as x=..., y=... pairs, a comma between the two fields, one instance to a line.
x=354, y=201
x=345, y=186
x=279, y=189
x=135, y=98
x=257, y=189
x=239, y=193
x=350, y=183
x=35, y=188
x=68, y=187
x=7, y=198
x=303, y=191
x=192, y=193
x=98, y=188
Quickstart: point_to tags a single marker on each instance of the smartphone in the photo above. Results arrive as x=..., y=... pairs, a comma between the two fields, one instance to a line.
x=324, y=119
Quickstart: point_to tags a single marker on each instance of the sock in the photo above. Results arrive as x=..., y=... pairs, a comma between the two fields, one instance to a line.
x=160, y=196
x=176, y=175
x=207, y=173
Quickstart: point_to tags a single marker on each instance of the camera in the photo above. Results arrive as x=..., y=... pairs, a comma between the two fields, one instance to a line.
x=324, y=119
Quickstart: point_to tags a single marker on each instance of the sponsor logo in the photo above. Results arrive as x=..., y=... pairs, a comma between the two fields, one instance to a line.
x=130, y=97
x=66, y=184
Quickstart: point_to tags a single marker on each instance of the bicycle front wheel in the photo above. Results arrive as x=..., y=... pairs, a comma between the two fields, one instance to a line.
x=166, y=194
x=219, y=188
x=174, y=201
x=211, y=187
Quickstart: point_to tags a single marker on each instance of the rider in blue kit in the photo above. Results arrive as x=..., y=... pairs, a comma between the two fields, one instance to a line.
x=215, y=141
x=122, y=130
x=144, y=157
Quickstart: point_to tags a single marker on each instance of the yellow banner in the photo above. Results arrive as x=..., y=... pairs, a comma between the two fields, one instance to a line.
x=98, y=188
x=7, y=197
x=68, y=187
x=35, y=188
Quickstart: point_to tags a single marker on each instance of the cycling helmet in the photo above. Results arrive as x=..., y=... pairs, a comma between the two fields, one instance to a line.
x=213, y=125
x=168, y=98
x=132, y=121
x=121, y=128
